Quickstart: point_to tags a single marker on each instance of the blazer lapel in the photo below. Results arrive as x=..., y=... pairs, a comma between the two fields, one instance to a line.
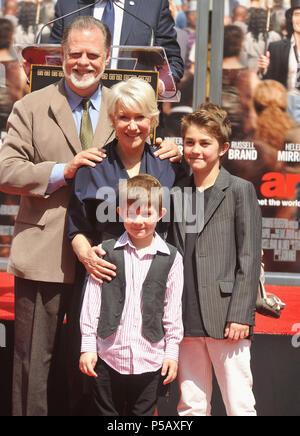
x=178, y=199
x=217, y=194
x=60, y=107
x=179, y=228
x=104, y=131
x=63, y=114
x=216, y=198
x=129, y=22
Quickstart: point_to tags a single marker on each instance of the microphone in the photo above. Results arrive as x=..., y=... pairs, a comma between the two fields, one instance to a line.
x=39, y=36
x=152, y=40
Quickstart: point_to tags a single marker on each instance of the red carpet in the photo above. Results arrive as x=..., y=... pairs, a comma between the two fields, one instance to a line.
x=283, y=326
x=6, y=297
x=290, y=315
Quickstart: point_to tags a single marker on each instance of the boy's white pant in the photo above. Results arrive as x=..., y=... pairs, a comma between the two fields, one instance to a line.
x=231, y=362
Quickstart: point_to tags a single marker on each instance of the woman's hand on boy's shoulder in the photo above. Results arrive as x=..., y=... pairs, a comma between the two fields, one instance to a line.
x=98, y=268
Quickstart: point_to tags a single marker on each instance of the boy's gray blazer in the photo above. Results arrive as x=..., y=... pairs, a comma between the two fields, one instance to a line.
x=228, y=252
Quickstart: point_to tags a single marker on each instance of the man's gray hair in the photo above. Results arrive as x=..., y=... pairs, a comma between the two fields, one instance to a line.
x=87, y=22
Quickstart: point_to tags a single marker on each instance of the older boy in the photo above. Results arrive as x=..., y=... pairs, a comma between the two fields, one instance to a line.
x=132, y=326
x=221, y=272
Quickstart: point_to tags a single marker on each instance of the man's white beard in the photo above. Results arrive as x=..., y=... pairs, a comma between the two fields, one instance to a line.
x=83, y=83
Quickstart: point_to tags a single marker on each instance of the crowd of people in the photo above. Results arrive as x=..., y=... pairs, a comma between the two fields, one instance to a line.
x=144, y=298
x=28, y=16
x=249, y=30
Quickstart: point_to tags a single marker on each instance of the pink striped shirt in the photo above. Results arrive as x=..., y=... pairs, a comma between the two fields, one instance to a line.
x=128, y=351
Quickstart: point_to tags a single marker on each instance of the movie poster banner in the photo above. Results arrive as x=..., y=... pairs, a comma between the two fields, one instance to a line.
x=265, y=144
x=276, y=177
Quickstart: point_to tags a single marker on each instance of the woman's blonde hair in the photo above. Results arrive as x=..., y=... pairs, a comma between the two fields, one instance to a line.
x=134, y=94
x=273, y=121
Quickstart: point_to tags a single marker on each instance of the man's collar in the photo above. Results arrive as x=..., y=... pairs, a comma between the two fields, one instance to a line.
x=75, y=99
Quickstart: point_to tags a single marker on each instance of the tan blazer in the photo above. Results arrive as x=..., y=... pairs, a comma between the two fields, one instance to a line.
x=41, y=133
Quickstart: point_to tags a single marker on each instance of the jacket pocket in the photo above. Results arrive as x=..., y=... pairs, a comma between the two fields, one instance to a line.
x=32, y=215
x=226, y=287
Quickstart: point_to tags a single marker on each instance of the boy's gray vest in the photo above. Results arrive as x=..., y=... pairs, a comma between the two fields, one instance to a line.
x=153, y=293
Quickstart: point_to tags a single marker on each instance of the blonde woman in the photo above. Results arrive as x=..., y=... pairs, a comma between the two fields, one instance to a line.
x=91, y=215
x=133, y=111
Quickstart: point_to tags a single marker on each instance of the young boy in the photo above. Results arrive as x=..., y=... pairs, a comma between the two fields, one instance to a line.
x=221, y=272
x=132, y=326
